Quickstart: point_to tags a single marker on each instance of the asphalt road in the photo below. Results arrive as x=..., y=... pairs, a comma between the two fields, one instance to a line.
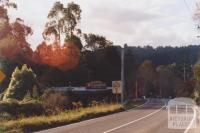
x=149, y=118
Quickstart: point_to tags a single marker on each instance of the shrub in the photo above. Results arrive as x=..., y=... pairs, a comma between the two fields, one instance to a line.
x=54, y=102
x=18, y=109
x=5, y=116
x=1, y=96
x=94, y=103
x=35, y=93
x=30, y=108
x=27, y=97
x=22, y=80
x=196, y=96
x=77, y=105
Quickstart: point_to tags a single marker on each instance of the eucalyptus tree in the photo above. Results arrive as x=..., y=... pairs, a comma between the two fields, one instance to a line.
x=63, y=21
x=95, y=42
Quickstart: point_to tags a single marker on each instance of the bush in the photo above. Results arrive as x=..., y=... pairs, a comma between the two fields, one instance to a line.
x=1, y=96
x=196, y=96
x=95, y=103
x=54, y=102
x=5, y=116
x=22, y=80
x=18, y=109
x=77, y=105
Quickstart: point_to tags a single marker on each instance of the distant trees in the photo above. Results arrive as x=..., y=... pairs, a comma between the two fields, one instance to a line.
x=167, y=81
x=95, y=42
x=167, y=55
x=21, y=82
x=147, y=73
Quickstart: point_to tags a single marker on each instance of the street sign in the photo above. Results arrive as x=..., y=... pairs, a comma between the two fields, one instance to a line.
x=2, y=76
x=116, y=87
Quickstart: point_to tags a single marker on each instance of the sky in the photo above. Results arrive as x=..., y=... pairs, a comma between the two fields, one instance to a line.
x=135, y=22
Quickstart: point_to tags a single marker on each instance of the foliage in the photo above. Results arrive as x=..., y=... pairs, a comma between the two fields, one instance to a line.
x=13, y=44
x=7, y=67
x=27, y=97
x=63, y=57
x=196, y=92
x=19, y=109
x=95, y=103
x=35, y=93
x=40, y=122
x=13, y=41
x=22, y=80
x=196, y=71
x=95, y=42
x=148, y=68
x=76, y=40
x=167, y=82
x=54, y=102
x=63, y=20
x=77, y=105
x=133, y=103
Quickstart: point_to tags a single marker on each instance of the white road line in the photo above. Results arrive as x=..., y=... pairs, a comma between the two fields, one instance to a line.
x=192, y=121
x=108, y=131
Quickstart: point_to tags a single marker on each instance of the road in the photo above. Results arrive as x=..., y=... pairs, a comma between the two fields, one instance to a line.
x=148, y=118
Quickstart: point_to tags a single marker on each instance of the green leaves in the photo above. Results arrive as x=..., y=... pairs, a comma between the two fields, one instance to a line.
x=95, y=42
x=196, y=71
x=62, y=20
x=21, y=82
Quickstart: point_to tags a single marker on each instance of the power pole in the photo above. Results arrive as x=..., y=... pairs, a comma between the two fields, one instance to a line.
x=184, y=72
x=123, y=50
x=136, y=89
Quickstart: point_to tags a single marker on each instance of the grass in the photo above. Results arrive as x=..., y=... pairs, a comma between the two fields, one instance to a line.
x=134, y=104
x=42, y=122
x=37, y=123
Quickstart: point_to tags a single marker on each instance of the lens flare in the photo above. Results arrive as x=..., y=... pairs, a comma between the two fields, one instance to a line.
x=63, y=57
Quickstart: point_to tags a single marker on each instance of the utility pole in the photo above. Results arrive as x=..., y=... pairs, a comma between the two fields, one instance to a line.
x=184, y=72
x=136, y=89
x=123, y=50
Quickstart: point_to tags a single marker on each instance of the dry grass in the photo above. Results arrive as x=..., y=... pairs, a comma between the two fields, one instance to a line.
x=42, y=122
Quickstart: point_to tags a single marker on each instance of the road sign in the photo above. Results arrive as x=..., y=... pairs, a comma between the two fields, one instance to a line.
x=116, y=87
x=2, y=76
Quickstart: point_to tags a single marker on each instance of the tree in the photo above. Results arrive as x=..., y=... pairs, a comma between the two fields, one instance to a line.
x=167, y=81
x=196, y=71
x=21, y=82
x=130, y=74
x=63, y=57
x=148, y=75
x=196, y=93
x=13, y=44
x=7, y=67
x=63, y=21
x=95, y=42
